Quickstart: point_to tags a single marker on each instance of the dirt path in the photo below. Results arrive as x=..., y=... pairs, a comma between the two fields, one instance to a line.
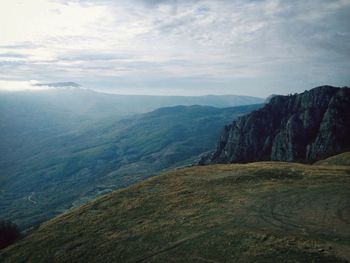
x=29, y=198
x=180, y=242
x=206, y=260
x=171, y=246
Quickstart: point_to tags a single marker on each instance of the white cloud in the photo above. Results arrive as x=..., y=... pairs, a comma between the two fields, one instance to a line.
x=21, y=85
x=44, y=21
x=140, y=43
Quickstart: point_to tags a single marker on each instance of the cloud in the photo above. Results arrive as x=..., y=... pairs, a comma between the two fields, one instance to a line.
x=12, y=55
x=34, y=85
x=20, y=86
x=252, y=47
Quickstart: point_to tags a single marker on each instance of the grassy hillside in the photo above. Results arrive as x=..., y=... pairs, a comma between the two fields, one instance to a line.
x=47, y=171
x=259, y=212
x=339, y=159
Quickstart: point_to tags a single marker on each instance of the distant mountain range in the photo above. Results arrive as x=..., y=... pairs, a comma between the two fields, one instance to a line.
x=303, y=127
x=91, y=105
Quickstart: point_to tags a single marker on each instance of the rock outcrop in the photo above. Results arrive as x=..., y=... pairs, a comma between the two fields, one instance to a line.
x=303, y=127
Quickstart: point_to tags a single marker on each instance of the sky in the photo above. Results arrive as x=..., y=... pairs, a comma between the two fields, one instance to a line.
x=164, y=47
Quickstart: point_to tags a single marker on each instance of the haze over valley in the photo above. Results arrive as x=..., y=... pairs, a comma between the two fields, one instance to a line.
x=60, y=148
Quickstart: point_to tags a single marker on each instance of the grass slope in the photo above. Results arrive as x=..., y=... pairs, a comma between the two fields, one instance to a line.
x=259, y=212
x=339, y=159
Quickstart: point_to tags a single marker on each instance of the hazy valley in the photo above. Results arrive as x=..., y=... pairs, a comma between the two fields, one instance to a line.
x=61, y=148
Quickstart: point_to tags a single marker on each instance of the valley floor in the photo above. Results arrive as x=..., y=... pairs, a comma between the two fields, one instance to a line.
x=259, y=212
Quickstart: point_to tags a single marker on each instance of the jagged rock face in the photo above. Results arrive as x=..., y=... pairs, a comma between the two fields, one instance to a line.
x=304, y=127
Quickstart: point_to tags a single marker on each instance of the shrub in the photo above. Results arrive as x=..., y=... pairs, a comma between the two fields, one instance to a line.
x=9, y=233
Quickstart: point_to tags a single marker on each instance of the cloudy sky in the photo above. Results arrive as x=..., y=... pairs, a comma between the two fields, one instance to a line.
x=176, y=47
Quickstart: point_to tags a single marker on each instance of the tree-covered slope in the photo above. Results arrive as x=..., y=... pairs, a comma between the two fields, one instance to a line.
x=50, y=164
x=30, y=119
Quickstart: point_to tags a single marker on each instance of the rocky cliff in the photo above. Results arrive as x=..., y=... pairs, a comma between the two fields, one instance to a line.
x=303, y=127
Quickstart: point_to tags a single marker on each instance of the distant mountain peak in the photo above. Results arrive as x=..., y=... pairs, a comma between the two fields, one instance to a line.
x=68, y=84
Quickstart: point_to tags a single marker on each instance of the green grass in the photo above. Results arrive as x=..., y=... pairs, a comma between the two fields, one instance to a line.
x=259, y=212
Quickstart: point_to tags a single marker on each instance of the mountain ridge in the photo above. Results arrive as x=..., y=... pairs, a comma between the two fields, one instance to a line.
x=302, y=127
